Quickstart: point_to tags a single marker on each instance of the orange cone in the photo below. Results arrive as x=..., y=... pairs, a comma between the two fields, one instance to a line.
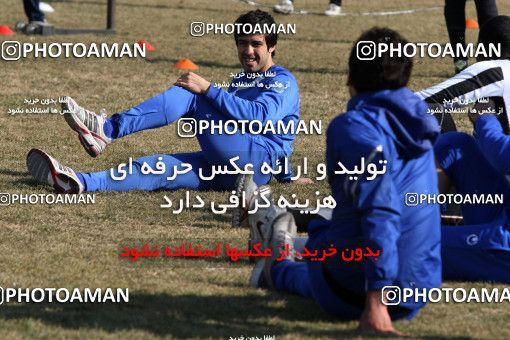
x=471, y=23
x=5, y=30
x=185, y=64
x=148, y=46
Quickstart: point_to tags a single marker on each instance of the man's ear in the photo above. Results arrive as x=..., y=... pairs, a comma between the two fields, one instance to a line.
x=352, y=90
x=272, y=49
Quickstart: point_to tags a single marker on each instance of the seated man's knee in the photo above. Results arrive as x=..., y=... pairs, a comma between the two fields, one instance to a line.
x=458, y=142
x=455, y=140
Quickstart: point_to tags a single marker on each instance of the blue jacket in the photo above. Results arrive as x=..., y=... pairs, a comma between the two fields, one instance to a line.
x=263, y=103
x=389, y=125
x=493, y=142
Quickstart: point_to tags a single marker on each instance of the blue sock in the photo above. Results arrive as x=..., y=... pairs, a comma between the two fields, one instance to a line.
x=82, y=180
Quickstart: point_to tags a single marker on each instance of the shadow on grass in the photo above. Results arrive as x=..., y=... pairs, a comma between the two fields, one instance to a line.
x=23, y=179
x=182, y=316
x=32, y=183
x=14, y=173
x=192, y=316
x=209, y=219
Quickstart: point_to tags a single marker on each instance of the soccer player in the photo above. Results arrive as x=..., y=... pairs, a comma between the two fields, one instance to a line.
x=255, y=96
x=36, y=19
x=479, y=250
x=385, y=121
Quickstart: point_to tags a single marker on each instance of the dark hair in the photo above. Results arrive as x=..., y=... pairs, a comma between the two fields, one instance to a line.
x=496, y=31
x=380, y=72
x=261, y=18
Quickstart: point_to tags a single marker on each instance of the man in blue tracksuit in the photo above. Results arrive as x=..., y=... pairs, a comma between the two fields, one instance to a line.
x=263, y=92
x=385, y=121
x=480, y=249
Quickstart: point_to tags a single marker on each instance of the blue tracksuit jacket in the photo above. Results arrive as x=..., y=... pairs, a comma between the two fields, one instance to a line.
x=392, y=126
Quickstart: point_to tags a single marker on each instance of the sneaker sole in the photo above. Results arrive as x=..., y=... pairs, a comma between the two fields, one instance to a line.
x=289, y=226
x=239, y=216
x=257, y=236
x=89, y=148
x=87, y=139
x=41, y=167
x=264, y=266
x=256, y=273
x=38, y=165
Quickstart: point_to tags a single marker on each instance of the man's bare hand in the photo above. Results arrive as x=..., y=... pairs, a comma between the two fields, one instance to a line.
x=473, y=116
x=481, y=108
x=303, y=181
x=193, y=82
x=375, y=317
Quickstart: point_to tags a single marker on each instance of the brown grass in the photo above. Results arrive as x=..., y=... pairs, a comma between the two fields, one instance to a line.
x=77, y=246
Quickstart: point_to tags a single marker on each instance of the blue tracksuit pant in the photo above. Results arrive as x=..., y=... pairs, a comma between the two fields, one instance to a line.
x=216, y=149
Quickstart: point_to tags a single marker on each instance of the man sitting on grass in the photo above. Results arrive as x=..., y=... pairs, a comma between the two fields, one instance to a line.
x=477, y=165
x=385, y=121
x=255, y=97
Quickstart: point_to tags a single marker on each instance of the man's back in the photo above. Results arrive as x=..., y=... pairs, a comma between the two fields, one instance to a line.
x=387, y=126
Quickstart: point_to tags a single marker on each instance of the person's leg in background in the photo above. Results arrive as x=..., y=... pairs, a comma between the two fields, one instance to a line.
x=455, y=17
x=37, y=23
x=485, y=10
x=287, y=7
x=334, y=8
x=32, y=10
x=284, y=7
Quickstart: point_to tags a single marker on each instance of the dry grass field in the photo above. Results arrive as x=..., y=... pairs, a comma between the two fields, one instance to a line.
x=78, y=245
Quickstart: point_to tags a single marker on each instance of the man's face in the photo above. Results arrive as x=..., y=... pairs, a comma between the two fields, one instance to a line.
x=253, y=53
